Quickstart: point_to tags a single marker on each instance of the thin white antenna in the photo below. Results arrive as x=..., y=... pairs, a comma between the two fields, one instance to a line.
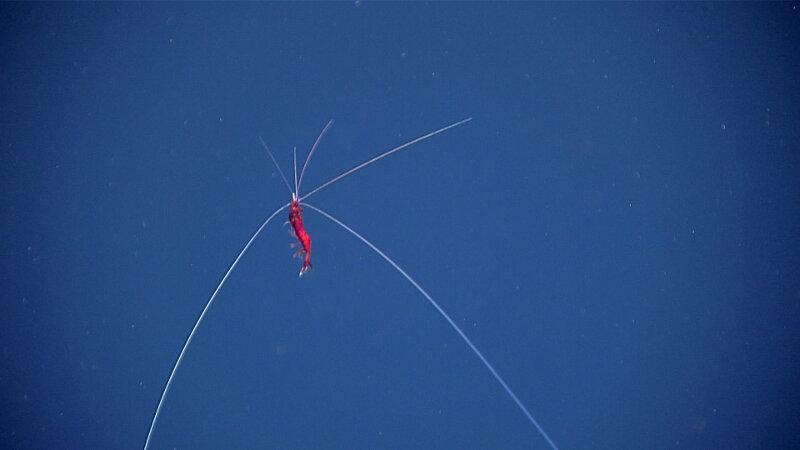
x=276, y=164
x=449, y=320
x=294, y=152
x=200, y=319
x=316, y=143
x=383, y=155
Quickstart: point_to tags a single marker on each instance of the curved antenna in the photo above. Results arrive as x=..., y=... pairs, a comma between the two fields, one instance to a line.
x=383, y=155
x=197, y=324
x=316, y=143
x=449, y=320
x=272, y=157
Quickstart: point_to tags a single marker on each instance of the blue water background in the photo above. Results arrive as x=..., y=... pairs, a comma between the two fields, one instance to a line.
x=616, y=229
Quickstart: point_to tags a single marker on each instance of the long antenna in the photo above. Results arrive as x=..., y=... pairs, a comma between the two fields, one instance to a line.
x=276, y=164
x=294, y=152
x=316, y=143
x=449, y=320
x=383, y=155
x=200, y=319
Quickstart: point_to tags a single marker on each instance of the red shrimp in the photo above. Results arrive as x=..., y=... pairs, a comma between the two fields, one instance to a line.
x=304, y=240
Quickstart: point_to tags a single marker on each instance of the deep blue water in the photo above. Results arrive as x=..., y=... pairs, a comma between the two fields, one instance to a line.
x=616, y=228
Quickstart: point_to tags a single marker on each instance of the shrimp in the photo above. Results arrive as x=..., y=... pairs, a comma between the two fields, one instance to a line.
x=304, y=242
x=295, y=210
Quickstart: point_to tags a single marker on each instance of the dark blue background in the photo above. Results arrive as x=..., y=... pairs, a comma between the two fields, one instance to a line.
x=617, y=228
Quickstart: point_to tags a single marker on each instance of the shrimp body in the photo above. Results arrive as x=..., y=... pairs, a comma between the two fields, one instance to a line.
x=304, y=240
